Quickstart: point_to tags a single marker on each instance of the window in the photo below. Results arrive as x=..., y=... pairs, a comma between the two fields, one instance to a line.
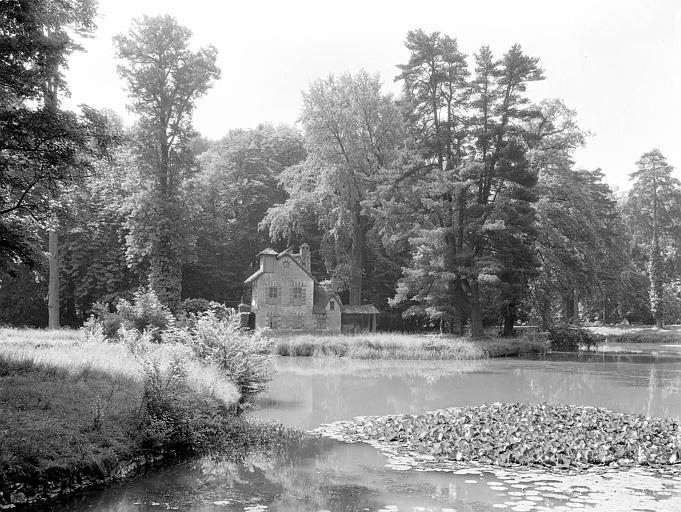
x=297, y=293
x=286, y=264
x=321, y=321
x=332, y=305
x=273, y=320
x=271, y=293
x=298, y=321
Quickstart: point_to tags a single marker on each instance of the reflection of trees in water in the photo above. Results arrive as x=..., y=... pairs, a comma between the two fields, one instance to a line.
x=429, y=369
x=335, y=389
x=321, y=474
x=311, y=474
x=331, y=390
x=649, y=389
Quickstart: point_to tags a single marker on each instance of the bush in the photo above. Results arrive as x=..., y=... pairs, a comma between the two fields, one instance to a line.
x=173, y=417
x=199, y=306
x=145, y=313
x=241, y=355
x=110, y=322
x=572, y=339
x=93, y=330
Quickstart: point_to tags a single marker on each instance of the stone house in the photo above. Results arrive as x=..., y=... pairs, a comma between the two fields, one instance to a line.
x=285, y=296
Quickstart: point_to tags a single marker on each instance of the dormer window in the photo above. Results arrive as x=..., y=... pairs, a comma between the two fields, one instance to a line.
x=286, y=264
x=332, y=305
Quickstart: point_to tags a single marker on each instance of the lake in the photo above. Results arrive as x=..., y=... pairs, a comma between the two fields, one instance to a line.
x=322, y=473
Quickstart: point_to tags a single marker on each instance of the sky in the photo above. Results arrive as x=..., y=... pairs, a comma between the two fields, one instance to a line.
x=617, y=63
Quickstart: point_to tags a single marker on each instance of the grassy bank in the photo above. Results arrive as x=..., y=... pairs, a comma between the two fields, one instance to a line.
x=402, y=346
x=670, y=335
x=75, y=413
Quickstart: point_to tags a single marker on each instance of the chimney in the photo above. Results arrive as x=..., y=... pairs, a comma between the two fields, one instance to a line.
x=305, y=257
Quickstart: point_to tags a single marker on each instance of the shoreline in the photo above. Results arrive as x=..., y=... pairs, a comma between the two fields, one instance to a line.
x=17, y=496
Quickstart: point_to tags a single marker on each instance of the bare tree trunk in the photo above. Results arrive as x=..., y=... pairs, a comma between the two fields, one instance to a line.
x=51, y=100
x=53, y=284
x=575, y=306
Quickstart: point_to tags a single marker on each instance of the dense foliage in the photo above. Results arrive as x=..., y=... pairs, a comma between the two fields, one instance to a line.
x=454, y=206
x=573, y=339
x=164, y=78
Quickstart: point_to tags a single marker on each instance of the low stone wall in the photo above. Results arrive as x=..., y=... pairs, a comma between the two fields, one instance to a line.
x=17, y=495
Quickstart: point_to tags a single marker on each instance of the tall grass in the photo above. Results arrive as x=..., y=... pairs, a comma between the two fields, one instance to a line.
x=403, y=346
x=70, y=351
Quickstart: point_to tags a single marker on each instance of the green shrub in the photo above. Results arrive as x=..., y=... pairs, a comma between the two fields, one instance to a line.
x=109, y=321
x=572, y=339
x=241, y=355
x=145, y=313
x=200, y=305
x=94, y=330
x=163, y=417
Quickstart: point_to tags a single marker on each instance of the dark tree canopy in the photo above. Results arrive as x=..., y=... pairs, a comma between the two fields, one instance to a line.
x=42, y=148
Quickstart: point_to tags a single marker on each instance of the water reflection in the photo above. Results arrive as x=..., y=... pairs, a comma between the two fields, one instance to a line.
x=331, y=389
x=325, y=474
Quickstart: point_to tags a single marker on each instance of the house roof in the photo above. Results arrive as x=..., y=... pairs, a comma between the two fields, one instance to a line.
x=280, y=255
x=364, y=309
x=254, y=276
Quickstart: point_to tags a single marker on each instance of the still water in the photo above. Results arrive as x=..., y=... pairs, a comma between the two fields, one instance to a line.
x=322, y=473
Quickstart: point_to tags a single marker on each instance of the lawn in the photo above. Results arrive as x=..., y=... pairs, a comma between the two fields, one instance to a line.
x=402, y=346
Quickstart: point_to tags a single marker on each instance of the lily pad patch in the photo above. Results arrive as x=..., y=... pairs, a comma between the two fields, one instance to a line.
x=513, y=434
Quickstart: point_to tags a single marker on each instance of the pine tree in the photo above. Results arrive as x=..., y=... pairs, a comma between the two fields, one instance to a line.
x=655, y=198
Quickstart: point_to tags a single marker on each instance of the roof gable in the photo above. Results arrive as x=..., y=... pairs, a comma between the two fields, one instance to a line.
x=279, y=256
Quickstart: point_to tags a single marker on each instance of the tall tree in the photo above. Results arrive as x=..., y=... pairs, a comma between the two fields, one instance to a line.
x=656, y=197
x=165, y=78
x=352, y=135
x=472, y=181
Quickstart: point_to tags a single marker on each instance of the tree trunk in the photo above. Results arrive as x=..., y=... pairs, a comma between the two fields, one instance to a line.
x=509, y=321
x=357, y=262
x=568, y=308
x=575, y=306
x=477, y=329
x=655, y=270
x=51, y=103
x=165, y=277
x=53, y=283
x=460, y=324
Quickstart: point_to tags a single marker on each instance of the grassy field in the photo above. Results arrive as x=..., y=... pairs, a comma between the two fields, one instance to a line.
x=70, y=407
x=402, y=346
